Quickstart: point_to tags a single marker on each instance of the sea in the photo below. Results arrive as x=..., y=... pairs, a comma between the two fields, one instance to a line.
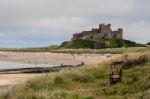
x=15, y=65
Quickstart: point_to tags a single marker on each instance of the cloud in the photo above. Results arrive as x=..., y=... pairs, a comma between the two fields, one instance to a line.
x=51, y=8
x=138, y=31
x=48, y=21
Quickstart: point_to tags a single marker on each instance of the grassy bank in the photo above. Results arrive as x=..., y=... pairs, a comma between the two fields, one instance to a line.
x=86, y=83
x=80, y=51
x=100, y=43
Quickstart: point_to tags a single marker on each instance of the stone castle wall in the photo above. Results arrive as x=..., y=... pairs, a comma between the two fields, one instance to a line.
x=104, y=31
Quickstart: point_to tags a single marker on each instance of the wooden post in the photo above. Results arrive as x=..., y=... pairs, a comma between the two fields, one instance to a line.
x=115, y=73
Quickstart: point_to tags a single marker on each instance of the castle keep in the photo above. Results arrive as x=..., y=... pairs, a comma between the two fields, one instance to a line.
x=104, y=31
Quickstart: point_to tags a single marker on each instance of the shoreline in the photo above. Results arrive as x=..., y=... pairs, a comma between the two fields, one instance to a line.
x=46, y=58
x=38, y=69
x=43, y=59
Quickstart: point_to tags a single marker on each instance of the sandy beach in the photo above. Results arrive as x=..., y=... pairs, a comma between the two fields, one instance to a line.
x=44, y=58
x=6, y=80
x=39, y=59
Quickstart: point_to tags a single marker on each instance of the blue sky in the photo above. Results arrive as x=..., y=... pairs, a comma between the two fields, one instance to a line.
x=36, y=23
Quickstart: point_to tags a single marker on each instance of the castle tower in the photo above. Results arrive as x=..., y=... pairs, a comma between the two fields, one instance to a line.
x=120, y=33
x=104, y=31
x=105, y=28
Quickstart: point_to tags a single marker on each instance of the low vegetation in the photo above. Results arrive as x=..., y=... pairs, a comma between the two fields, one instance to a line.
x=148, y=43
x=93, y=83
x=84, y=46
x=78, y=44
x=100, y=43
x=115, y=43
x=121, y=50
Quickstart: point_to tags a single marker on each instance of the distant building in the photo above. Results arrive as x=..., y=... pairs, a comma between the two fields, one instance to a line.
x=104, y=31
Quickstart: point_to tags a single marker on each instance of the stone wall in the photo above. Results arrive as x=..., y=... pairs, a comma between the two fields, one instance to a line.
x=105, y=28
x=104, y=31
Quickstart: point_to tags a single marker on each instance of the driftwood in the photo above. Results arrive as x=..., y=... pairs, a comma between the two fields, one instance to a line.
x=38, y=69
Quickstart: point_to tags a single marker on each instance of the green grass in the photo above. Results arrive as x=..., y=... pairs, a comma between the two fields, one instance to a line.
x=85, y=83
x=79, y=44
x=148, y=43
x=98, y=46
x=86, y=46
x=100, y=43
x=81, y=51
x=115, y=43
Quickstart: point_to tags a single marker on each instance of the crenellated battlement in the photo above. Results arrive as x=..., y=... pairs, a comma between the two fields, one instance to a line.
x=104, y=31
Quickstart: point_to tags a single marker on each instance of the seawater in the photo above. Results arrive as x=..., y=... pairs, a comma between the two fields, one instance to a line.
x=14, y=65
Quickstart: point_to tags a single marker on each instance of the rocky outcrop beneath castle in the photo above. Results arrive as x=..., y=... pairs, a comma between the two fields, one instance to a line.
x=104, y=31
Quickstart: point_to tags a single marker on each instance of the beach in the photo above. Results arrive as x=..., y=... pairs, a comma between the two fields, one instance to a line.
x=45, y=58
x=6, y=80
x=10, y=60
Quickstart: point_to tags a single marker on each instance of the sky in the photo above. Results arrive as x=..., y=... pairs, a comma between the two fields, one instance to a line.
x=37, y=23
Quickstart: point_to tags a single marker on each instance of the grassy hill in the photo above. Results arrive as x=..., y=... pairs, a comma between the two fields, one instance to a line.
x=100, y=43
x=148, y=43
x=85, y=45
x=93, y=83
x=78, y=44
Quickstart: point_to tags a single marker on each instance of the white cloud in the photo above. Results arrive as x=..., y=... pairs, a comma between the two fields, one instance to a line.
x=138, y=31
x=53, y=8
x=57, y=20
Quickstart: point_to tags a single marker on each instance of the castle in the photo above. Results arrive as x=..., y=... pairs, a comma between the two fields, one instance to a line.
x=104, y=31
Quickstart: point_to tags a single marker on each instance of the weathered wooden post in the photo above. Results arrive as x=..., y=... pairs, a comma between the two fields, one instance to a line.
x=116, y=72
